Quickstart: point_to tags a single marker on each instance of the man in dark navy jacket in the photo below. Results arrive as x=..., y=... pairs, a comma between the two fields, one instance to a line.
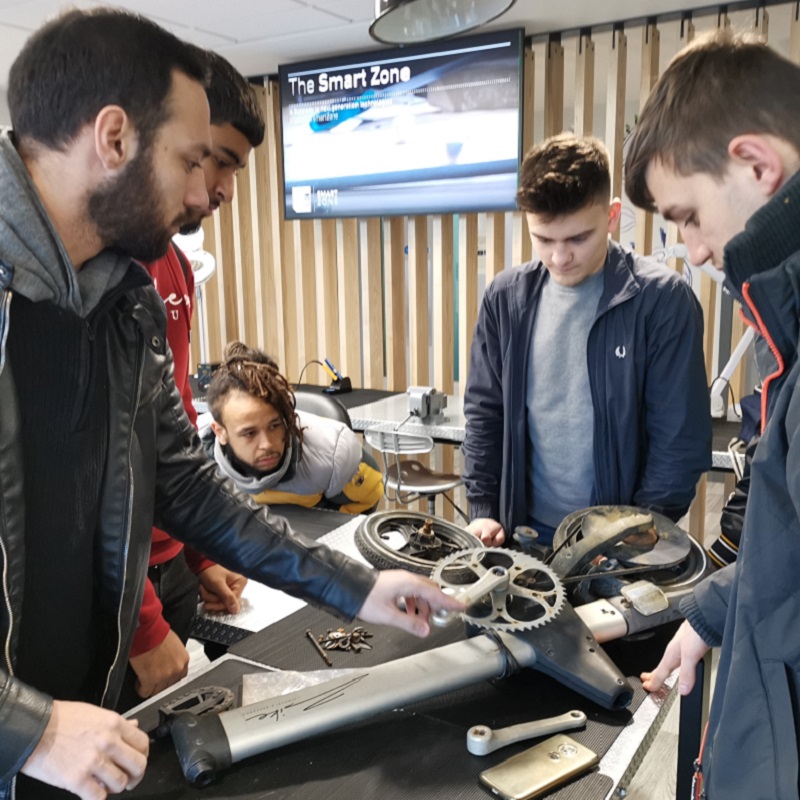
x=587, y=383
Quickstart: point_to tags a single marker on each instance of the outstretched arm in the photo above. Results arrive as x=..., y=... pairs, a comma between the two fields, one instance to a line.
x=419, y=595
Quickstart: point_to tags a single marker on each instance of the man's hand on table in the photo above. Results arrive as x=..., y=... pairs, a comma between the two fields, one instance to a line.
x=420, y=595
x=489, y=531
x=159, y=668
x=220, y=589
x=684, y=650
x=89, y=751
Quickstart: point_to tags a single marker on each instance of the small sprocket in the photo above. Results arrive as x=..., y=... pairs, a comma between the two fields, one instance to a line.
x=532, y=597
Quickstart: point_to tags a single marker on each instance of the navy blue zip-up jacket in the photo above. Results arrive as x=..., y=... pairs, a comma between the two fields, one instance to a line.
x=652, y=421
x=752, y=607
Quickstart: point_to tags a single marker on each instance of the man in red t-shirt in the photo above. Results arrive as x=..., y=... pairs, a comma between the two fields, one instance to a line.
x=158, y=657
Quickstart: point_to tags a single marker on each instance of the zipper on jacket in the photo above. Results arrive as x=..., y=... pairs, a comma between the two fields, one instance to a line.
x=5, y=311
x=5, y=317
x=135, y=395
x=762, y=329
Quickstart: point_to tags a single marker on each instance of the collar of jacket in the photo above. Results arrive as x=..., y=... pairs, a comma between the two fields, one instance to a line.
x=255, y=484
x=763, y=262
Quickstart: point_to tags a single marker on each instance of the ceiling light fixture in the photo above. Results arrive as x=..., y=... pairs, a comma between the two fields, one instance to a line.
x=414, y=21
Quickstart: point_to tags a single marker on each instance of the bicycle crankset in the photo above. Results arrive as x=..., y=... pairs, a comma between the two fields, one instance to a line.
x=503, y=590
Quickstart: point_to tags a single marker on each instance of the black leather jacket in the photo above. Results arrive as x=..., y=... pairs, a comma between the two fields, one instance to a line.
x=156, y=472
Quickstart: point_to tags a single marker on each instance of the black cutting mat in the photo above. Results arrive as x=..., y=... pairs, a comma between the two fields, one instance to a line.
x=284, y=644
x=497, y=703
x=400, y=754
x=417, y=752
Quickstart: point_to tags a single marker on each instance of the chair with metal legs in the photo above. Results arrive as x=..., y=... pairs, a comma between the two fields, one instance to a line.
x=406, y=480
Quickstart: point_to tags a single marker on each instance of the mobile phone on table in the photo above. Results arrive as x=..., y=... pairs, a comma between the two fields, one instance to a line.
x=539, y=768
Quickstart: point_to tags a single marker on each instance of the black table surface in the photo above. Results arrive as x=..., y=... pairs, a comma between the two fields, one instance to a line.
x=418, y=751
x=414, y=752
x=356, y=397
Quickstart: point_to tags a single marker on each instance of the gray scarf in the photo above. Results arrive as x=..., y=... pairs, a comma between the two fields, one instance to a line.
x=247, y=483
x=31, y=245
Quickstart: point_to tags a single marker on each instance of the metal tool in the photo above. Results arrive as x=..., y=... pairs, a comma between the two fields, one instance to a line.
x=482, y=740
x=508, y=591
x=203, y=700
x=340, y=639
x=426, y=403
x=318, y=648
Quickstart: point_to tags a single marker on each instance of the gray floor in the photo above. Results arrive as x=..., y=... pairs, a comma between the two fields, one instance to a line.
x=655, y=779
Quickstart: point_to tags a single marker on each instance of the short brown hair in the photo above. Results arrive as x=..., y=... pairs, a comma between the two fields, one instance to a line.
x=564, y=174
x=720, y=86
x=246, y=369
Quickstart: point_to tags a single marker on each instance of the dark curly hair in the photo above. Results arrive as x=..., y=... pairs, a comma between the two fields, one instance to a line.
x=564, y=174
x=254, y=372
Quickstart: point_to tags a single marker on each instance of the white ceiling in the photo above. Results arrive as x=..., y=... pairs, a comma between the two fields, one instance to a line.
x=258, y=35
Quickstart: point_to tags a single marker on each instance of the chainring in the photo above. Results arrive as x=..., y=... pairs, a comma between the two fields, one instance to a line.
x=534, y=595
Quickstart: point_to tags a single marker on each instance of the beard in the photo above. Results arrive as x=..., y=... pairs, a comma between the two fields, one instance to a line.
x=188, y=228
x=128, y=212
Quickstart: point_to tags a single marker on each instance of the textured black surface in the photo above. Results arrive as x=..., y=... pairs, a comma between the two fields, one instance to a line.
x=357, y=397
x=400, y=754
x=416, y=752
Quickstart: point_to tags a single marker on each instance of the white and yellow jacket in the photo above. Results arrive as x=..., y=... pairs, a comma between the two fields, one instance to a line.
x=334, y=472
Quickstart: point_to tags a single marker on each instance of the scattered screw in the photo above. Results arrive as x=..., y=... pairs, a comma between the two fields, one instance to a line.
x=318, y=648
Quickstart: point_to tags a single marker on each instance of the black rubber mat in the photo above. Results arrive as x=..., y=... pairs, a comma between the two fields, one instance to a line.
x=395, y=756
x=416, y=752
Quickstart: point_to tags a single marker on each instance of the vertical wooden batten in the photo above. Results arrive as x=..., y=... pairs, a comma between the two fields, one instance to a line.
x=293, y=331
x=443, y=326
x=495, y=245
x=584, y=85
x=269, y=180
x=372, y=301
x=418, y=332
x=521, y=250
x=467, y=290
x=615, y=110
x=247, y=264
x=327, y=293
x=651, y=39
x=305, y=261
x=349, y=304
x=394, y=259
x=554, y=87
x=794, y=33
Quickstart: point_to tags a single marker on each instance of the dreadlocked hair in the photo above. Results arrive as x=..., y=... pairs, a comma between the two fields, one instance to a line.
x=254, y=372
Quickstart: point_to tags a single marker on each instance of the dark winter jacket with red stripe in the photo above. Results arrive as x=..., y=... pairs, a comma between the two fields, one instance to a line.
x=752, y=608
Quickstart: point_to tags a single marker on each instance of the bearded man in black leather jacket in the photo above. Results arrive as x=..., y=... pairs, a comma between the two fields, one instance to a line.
x=111, y=125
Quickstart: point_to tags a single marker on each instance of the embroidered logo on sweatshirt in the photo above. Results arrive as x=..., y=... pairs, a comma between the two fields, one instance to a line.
x=620, y=351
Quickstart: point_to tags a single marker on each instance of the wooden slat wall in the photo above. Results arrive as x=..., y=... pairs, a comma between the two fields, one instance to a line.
x=377, y=296
x=354, y=291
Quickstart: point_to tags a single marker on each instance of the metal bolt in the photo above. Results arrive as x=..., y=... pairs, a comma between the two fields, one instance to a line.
x=318, y=648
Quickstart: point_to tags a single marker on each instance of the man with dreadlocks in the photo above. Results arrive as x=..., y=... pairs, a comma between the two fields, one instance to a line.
x=276, y=453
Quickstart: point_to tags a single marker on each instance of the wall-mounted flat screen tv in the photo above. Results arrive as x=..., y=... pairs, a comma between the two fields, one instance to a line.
x=416, y=130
